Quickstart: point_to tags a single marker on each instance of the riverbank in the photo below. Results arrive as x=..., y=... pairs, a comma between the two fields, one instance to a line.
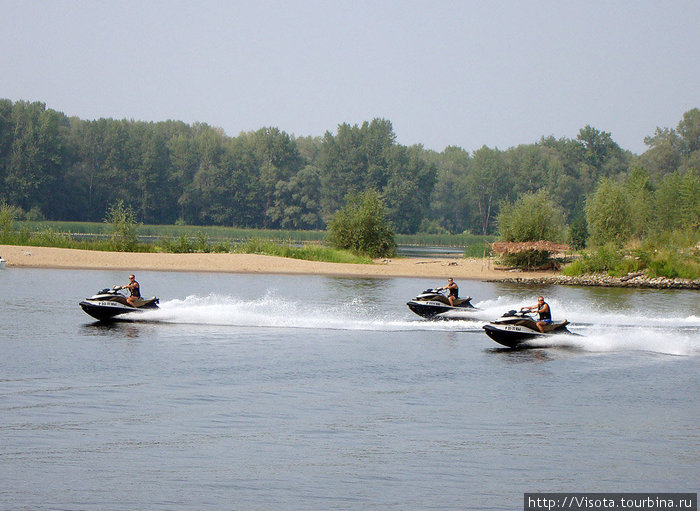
x=458, y=268
x=638, y=280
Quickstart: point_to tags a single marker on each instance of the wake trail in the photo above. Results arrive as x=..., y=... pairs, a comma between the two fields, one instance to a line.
x=271, y=311
x=597, y=331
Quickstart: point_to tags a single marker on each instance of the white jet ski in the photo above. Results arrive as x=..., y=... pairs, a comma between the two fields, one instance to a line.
x=514, y=328
x=433, y=304
x=107, y=304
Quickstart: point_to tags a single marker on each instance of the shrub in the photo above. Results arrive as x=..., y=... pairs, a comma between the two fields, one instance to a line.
x=361, y=227
x=527, y=259
x=533, y=217
x=123, y=221
x=615, y=261
x=607, y=258
x=527, y=254
x=8, y=215
x=673, y=264
x=608, y=213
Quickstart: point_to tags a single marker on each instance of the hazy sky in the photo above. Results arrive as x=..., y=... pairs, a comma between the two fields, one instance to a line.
x=464, y=73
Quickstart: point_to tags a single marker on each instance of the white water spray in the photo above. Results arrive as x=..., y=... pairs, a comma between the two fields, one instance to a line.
x=598, y=331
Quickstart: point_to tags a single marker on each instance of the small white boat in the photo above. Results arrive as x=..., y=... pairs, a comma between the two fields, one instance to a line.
x=2, y=263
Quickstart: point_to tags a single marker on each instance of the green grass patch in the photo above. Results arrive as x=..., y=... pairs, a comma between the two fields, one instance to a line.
x=669, y=262
x=186, y=244
x=672, y=264
x=478, y=249
x=215, y=233
x=309, y=252
x=444, y=240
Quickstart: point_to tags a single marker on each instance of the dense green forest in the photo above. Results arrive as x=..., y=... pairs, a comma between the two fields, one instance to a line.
x=56, y=167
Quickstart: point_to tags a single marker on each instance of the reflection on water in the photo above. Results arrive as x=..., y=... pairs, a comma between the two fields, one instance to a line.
x=357, y=286
x=116, y=329
x=430, y=252
x=525, y=356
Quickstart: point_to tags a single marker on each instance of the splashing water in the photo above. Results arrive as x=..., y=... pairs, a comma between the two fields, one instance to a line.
x=597, y=331
x=608, y=331
x=272, y=311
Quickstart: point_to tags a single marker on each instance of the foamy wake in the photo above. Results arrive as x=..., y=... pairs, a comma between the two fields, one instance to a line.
x=597, y=331
x=272, y=311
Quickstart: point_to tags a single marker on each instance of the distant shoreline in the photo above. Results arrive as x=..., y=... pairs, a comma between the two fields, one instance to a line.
x=458, y=268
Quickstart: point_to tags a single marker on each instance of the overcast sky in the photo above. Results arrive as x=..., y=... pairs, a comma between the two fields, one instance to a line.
x=464, y=73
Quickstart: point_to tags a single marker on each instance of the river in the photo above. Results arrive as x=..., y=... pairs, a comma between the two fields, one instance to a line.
x=261, y=392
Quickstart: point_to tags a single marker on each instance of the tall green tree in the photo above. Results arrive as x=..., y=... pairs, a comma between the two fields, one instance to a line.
x=184, y=161
x=641, y=202
x=6, y=129
x=449, y=203
x=677, y=202
x=664, y=155
x=353, y=160
x=488, y=184
x=689, y=131
x=36, y=153
x=407, y=192
x=153, y=190
x=297, y=201
x=278, y=160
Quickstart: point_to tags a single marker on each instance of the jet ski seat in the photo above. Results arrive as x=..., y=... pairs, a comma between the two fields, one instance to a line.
x=553, y=325
x=138, y=303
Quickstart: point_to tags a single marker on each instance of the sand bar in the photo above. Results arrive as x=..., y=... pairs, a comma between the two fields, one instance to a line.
x=459, y=268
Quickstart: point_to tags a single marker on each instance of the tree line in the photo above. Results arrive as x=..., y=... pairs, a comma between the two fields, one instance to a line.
x=57, y=167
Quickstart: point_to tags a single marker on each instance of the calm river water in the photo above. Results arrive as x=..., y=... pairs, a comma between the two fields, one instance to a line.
x=268, y=392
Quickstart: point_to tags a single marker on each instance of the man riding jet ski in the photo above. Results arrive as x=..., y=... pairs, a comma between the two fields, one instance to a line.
x=514, y=328
x=434, y=304
x=105, y=305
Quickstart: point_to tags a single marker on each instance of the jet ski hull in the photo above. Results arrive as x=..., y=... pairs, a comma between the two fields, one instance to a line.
x=433, y=305
x=428, y=309
x=108, y=304
x=109, y=310
x=511, y=338
x=515, y=331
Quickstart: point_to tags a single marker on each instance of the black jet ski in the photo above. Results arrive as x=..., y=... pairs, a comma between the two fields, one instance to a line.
x=433, y=304
x=107, y=304
x=514, y=328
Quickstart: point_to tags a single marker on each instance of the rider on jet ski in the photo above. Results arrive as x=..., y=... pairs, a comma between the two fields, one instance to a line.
x=542, y=308
x=454, y=290
x=135, y=289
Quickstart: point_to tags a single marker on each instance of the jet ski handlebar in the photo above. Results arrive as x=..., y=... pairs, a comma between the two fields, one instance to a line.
x=524, y=312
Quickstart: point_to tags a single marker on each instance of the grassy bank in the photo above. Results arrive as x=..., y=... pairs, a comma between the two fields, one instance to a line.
x=184, y=238
x=673, y=256
x=199, y=243
x=236, y=233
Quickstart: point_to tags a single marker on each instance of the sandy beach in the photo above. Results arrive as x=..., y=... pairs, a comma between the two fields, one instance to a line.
x=461, y=268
